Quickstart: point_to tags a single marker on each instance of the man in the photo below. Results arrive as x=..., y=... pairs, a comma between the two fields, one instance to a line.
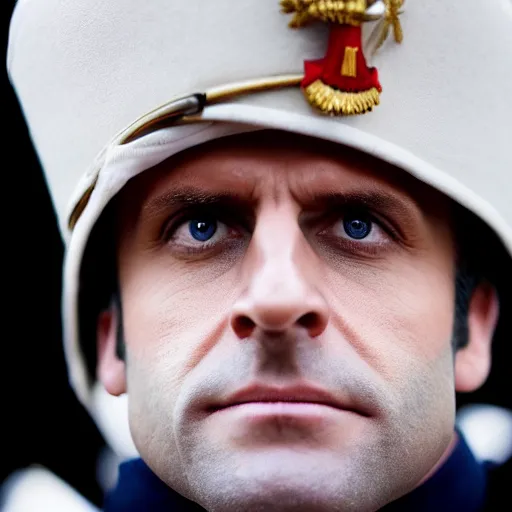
x=288, y=291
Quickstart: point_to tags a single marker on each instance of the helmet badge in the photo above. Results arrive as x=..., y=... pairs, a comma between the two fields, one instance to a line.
x=342, y=83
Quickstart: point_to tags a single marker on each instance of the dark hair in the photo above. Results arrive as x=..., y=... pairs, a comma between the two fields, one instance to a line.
x=465, y=283
x=480, y=256
x=99, y=283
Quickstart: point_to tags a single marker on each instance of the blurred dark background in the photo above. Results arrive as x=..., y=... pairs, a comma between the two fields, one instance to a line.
x=42, y=420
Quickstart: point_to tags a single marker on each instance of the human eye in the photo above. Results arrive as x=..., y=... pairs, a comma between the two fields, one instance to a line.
x=199, y=231
x=359, y=231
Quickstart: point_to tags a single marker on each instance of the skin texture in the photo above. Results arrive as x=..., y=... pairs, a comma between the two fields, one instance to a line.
x=282, y=295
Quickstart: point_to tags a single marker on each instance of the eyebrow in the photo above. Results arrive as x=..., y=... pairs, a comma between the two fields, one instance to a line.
x=373, y=199
x=192, y=196
x=188, y=196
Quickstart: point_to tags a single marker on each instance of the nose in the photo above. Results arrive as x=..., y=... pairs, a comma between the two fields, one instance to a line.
x=281, y=294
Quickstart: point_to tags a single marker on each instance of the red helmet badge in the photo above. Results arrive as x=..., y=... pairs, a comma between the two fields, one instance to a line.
x=342, y=83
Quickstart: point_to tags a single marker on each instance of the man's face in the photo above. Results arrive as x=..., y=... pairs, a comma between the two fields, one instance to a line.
x=278, y=261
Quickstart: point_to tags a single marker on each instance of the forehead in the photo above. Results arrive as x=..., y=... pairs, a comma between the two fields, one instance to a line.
x=258, y=166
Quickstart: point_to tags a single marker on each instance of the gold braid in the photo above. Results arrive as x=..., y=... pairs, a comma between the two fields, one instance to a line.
x=333, y=11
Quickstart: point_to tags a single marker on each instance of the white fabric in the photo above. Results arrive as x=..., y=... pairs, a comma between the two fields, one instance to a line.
x=488, y=431
x=36, y=489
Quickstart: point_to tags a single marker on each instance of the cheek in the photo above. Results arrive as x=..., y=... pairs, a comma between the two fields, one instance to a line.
x=396, y=315
x=400, y=324
x=171, y=318
x=173, y=314
x=166, y=303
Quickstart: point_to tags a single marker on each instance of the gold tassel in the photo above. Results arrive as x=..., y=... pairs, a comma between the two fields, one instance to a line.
x=349, y=67
x=335, y=103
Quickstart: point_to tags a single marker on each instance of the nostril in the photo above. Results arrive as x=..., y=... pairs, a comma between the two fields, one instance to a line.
x=310, y=321
x=243, y=326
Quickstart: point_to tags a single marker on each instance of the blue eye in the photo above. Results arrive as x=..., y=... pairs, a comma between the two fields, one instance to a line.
x=357, y=227
x=202, y=230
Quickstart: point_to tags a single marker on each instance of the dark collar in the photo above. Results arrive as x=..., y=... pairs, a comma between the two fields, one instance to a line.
x=458, y=485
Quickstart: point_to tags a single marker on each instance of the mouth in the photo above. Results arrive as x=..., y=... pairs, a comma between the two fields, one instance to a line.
x=292, y=400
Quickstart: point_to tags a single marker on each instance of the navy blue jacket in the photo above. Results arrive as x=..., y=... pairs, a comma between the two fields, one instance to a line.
x=459, y=485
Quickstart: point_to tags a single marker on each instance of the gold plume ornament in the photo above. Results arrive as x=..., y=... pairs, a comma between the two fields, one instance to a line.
x=390, y=20
x=342, y=83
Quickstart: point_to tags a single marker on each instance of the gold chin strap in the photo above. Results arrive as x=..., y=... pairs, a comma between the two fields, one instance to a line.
x=179, y=110
x=194, y=104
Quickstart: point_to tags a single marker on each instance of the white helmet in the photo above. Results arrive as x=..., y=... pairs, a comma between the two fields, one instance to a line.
x=112, y=88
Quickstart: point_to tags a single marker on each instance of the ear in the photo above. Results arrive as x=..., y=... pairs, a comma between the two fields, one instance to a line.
x=473, y=362
x=111, y=370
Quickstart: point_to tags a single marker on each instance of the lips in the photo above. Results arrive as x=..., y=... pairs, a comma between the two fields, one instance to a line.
x=299, y=393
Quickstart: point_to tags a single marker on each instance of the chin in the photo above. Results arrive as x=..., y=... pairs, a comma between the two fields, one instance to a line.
x=290, y=479
x=298, y=498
